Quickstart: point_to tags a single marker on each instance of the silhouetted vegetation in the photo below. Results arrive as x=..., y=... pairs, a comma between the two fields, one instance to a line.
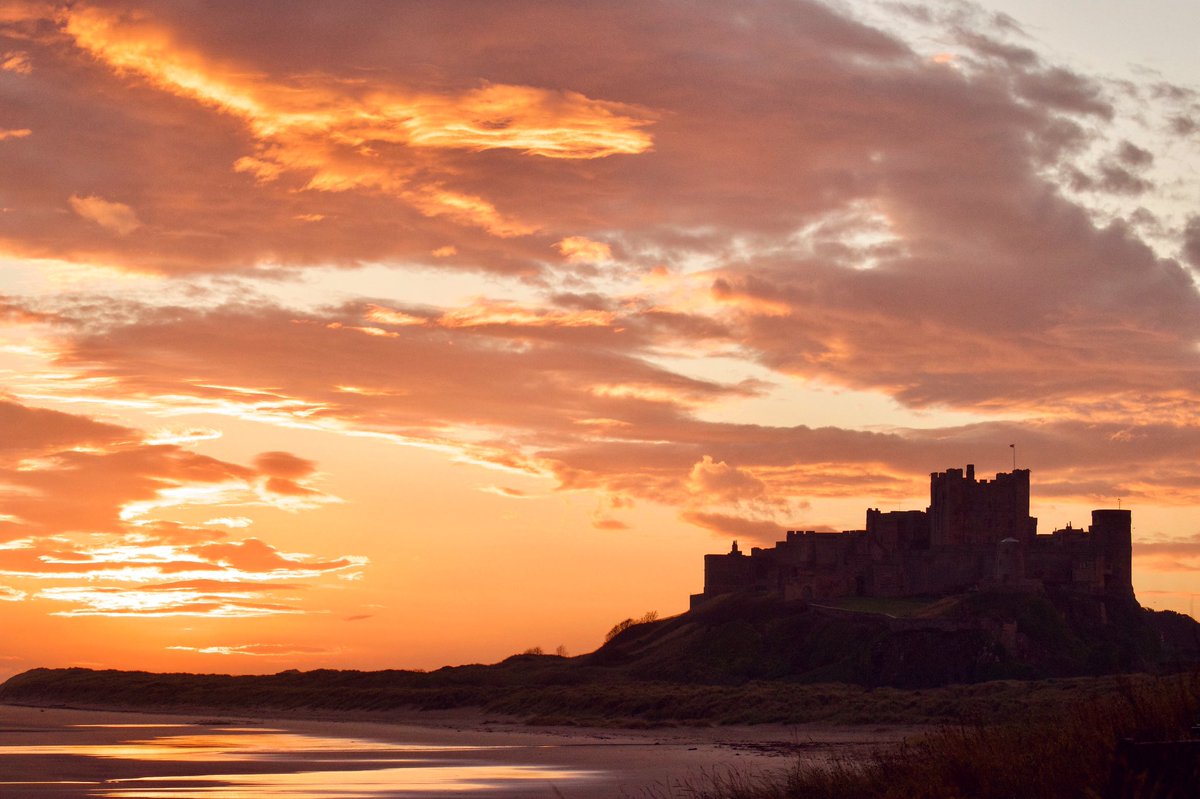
x=625, y=624
x=529, y=686
x=1110, y=746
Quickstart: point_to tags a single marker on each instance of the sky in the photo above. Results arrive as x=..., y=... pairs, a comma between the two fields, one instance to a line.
x=395, y=335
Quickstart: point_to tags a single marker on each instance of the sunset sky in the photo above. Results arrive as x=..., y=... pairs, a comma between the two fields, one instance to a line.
x=399, y=334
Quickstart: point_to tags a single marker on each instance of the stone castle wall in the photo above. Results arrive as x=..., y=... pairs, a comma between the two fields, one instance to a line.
x=975, y=534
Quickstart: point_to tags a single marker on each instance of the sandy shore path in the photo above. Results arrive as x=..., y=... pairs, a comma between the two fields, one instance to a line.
x=52, y=753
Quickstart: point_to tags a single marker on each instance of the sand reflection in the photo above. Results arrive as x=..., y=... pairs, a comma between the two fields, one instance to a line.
x=417, y=780
x=187, y=761
x=243, y=744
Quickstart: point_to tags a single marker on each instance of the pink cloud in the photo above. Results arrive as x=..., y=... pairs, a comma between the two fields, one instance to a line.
x=588, y=406
x=467, y=149
x=756, y=530
x=800, y=190
x=723, y=482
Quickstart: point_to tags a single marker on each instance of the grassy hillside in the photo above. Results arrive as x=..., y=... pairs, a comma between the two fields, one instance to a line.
x=965, y=639
x=743, y=659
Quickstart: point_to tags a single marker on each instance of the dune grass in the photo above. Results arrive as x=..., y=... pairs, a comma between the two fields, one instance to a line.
x=545, y=690
x=1093, y=748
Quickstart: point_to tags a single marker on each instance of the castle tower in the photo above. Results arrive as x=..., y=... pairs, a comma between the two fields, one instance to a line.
x=1112, y=536
x=963, y=510
x=725, y=573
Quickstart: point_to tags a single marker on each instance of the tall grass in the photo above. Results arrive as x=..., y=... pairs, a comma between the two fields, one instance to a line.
x=1079, y=754
x=546, y=690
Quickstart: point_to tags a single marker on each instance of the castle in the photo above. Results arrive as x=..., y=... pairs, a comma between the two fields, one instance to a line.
x=975, y=535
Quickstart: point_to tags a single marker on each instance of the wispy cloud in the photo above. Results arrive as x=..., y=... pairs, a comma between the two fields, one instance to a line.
x=257, y=650
x=79, y=501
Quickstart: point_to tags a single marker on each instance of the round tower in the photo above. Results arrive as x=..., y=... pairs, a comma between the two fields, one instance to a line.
x=1112, y=537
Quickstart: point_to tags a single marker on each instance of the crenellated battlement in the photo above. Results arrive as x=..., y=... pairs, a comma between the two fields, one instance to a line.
x=976, y=534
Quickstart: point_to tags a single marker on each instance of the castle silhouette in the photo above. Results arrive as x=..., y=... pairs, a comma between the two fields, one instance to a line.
x=975, y=535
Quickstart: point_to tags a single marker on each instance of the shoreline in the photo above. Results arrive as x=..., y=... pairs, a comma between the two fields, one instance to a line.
x=628, y=762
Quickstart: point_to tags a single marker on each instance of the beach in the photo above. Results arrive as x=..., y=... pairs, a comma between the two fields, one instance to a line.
x=54, y=753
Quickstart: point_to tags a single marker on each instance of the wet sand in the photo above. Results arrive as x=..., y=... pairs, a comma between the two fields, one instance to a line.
x=51, y=753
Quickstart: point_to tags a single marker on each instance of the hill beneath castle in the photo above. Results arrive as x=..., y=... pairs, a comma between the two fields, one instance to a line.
x=737, y=659
x=909, y=643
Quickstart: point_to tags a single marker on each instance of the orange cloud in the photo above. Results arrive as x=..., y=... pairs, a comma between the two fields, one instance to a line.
x=27, y=430
x=138, y=558
x=283, y=464
x=722, y=482
x=580, y=249
x=334, y=133
x=16, y=61
x=114, y=216
x=516, y=315
x=466, y=209
x=388, y=316
x=252, y=556
x=218, y=579
x=70, y=486
x=67, y=473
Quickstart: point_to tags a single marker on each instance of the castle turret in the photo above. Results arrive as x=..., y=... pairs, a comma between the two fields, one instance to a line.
x=725, y=573
x=1112, y=537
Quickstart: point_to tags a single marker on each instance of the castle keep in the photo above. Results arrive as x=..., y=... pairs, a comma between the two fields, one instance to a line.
x=975, y=534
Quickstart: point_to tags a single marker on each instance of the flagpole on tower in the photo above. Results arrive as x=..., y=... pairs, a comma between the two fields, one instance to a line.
x=1014, y=449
